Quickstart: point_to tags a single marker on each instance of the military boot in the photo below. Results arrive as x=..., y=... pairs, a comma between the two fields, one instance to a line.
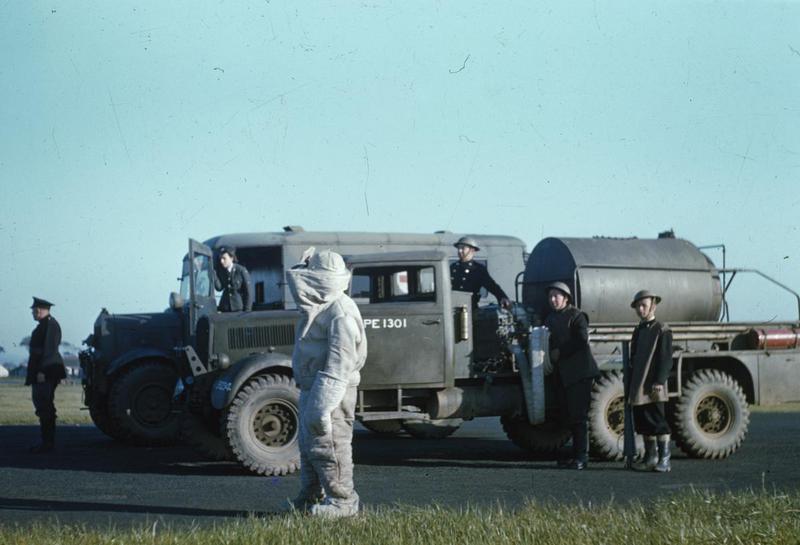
x=663, y=465
x=650, y=459
x=47, y=428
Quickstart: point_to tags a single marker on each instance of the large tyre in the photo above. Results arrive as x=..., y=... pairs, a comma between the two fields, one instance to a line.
x=140, y=404
x=543, y=439
x=262, y=425
x=607, y=419
x=432, y=429
x=383, y=427
x=711, y=415
x=98, y=411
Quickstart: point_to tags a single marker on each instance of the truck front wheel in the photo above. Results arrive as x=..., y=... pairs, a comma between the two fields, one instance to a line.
x=98, y=411
x=140, y=404
x=262, y=424
x=711, y=415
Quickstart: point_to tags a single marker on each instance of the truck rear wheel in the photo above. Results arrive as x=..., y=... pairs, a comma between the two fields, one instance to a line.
x=432, y=429
x=543, y=439
x=711, y=415
x=140, y=404
x=383, y=427
x=262, y=425
x=607, y=418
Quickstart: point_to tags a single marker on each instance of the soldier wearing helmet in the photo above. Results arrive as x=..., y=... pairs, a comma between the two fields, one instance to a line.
x=469, y=275
x=646, y=391
x=575, y=369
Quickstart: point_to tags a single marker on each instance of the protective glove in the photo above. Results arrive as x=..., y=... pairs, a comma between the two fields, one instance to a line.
x=326, y=394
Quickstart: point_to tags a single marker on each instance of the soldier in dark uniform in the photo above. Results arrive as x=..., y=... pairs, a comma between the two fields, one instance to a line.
x=575, y=369
x=45, y=370
x=467, y=275
x=646, y=391
x=233, y=281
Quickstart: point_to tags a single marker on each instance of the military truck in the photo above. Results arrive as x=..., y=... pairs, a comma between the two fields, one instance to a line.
x=133, y=361
x=434, y=360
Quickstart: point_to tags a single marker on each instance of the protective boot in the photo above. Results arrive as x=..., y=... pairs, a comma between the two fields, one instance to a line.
x=650, y=458
x=334, y=508
x=663, y=465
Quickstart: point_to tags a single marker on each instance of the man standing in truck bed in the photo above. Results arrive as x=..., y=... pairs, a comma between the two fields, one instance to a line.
x=234, y=283
x=469, y=275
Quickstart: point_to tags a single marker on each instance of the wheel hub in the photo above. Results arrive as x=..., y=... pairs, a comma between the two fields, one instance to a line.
x=615, y=415
x=714, y=415
x=275, y=424
x=151, y=405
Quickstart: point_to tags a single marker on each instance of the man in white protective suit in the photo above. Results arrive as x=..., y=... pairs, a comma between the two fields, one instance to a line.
x=329, y=350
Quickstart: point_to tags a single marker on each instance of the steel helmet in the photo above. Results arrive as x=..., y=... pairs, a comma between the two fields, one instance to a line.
x=641, y=294
x=562, y=287
x=467, y=241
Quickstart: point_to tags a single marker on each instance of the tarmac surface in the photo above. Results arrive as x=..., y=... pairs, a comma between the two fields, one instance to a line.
x=93, y=480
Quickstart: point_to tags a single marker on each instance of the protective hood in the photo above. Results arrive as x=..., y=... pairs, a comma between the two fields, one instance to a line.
x=321, y=283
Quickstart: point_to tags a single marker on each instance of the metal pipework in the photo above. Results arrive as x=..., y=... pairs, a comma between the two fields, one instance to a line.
x=473, y=401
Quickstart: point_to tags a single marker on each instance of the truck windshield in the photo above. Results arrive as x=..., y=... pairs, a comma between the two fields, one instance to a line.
x=184, y=291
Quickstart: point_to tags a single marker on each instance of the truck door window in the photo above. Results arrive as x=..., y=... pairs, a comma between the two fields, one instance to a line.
x=393, y=284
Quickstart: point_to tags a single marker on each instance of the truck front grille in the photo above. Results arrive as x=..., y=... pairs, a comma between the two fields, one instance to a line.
x=261, y=336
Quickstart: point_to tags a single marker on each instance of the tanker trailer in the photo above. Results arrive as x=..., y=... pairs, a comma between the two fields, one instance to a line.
x=717, y=368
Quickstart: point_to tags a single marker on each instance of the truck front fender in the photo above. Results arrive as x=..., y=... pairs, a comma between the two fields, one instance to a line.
x=137, y=354
x=226, y=387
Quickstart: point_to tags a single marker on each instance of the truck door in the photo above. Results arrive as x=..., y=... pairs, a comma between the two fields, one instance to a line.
x=201, y=285
x=402, y=308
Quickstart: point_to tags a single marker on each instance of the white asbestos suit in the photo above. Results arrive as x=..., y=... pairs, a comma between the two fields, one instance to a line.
x=330, y=348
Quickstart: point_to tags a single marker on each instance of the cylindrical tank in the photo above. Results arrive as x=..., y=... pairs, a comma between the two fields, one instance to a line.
x=605, y=273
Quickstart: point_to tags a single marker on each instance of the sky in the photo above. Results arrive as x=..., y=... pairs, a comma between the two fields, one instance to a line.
x=128, y=127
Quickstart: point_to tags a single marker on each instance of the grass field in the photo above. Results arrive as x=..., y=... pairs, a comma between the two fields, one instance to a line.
x=16, y=407
x=694, y=517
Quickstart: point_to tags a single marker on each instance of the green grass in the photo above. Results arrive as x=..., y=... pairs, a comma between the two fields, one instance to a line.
x=16, y=407
x=694, y=517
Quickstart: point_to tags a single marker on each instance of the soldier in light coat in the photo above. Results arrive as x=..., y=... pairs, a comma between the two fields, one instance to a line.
x=329, y=351
x=646, y=391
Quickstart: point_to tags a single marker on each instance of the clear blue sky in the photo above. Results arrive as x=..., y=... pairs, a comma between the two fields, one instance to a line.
x=128, y=127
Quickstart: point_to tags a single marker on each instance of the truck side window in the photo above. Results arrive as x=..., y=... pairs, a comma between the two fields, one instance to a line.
x=393, y=284
x=360, y=288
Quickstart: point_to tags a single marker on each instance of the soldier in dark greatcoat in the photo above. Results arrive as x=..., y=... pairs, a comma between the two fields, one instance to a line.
x=233, y=281
x=469, y=275
x=45, y=371
x=646, y=391
x=574, y=368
